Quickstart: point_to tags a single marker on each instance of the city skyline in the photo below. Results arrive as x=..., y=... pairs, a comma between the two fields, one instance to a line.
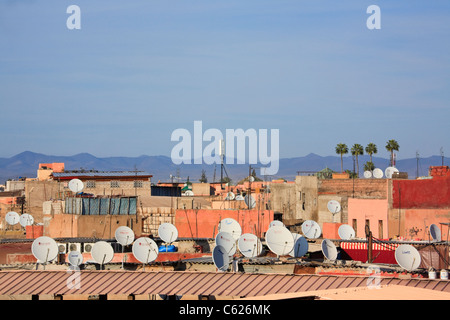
x=137, y=71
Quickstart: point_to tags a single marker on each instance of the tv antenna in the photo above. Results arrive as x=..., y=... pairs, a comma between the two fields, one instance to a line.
x=12, y=218
x=368, y=174
x=250, y=245
x=102, y=252
x=300, y=246
x=75, y=258
x=220, y=258
x=231, y=226
x=442, y=155
x=26, y=220
x=227, y=242
x=311, y=229
x=145, y=250
x=377, y=173
x=435, y=232
x=407, y=257
x=44, y=249
x=279, y=240
x=76, y=185
x=329, y=250
x=334, y=206
x=390, y=171
x=346, y=232
x=125, y=236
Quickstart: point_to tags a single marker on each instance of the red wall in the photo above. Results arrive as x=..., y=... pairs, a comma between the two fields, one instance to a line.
x=203, y=223
x=426, y=193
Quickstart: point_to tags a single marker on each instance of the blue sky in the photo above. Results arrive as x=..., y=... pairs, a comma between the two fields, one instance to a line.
x=138, y=70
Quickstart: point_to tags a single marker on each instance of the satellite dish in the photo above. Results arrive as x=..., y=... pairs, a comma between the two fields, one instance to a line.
x=220, y=258
x=26, y=220
x=407, y=257
x=239, y=197
x=346, y=232
x=12, y=218
x=249, y=245
x=124, y=235
x=279, y=240
x=300, y=246
x=227, y=241
x=167, y=232
x=145, y=250
x=76, y=185
x=389, y=171
x=378, y=173
x=311, y=229
x=231, y=226
x=230, y=196
x=189, y=193
x=334, y=206
x=329, y=250
x=367, y=174
x=250, y=201
x=75, y=258
x=435, y=232
x=44, y=249
x=251, y=179
x=102, y=252
x=276, y=223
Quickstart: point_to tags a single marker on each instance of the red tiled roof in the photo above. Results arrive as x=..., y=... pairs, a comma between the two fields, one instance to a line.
x=37, y=282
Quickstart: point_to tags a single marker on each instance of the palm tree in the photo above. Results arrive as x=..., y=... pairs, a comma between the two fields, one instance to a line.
x=369, y=166
x=371, y=149
x=341, y=149
x=392, y=146
x=357, y=150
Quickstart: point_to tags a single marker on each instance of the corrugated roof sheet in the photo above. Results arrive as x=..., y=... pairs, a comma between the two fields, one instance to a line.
x=37, y=282
x=101, y=174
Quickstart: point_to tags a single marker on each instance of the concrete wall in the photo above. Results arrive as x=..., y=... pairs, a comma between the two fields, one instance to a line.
x=375, y=211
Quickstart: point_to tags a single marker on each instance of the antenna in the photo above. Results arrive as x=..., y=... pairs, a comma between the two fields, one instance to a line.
x=329, y=250
x=75, y=258
x=220, y=258
x=227, y=242
x=145, y=250
x=300, y=246
x=389, y=171
x=76, y=185
x=250, y=201
x=44, y=249
x=102, y=252
x=378, y=173
x=368, y=174
x=279, y=240
x=167, y=232
x=346, y=232
x=417, y=169
x=435, y=232
x=250, y=245
x=12, y=218
x=334, y=206
x=407, y=257
x=276, y=223
x=26, y=220
x=442, y=155
x=231, y=226
x=125, y=236
x=311, y=229
x=230, y=196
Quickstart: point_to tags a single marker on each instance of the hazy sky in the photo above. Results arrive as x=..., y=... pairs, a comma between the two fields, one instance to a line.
x=138, y=70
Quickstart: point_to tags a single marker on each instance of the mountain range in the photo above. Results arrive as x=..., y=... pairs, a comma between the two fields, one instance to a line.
x=25, y=164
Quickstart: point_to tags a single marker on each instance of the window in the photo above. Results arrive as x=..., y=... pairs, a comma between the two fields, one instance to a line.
x=380, y=229
x=90, y=184
x=138, y=184
x=354, y=223
x=115, y=184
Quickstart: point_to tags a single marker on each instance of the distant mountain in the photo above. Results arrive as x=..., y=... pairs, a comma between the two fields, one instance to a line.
x=25, y=164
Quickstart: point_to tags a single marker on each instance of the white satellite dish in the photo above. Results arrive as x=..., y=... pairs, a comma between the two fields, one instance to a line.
x=230, y=196
x=389, y=171
x=367, y=174
x=102, y=252
x=249, y=245
x=346, y=232
x=44, y=249
x=26, y=220
x=75, y=258
x=12, y=218
x=167, y=232
x=250, y=201
x=407, y=257
x=334, y=206
x=279, y=240
x=311, y=229
x=231, y=226
x=378, y=173
x=227, y=241
x=145, y=250
x=276, y=223
x=124, y=235
x=239, y=197
x=300, y=246
x=435, y=232
x=329, y=250
x=251, y=179
x=220, y=258
x=76, y=185
x=189, y=193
